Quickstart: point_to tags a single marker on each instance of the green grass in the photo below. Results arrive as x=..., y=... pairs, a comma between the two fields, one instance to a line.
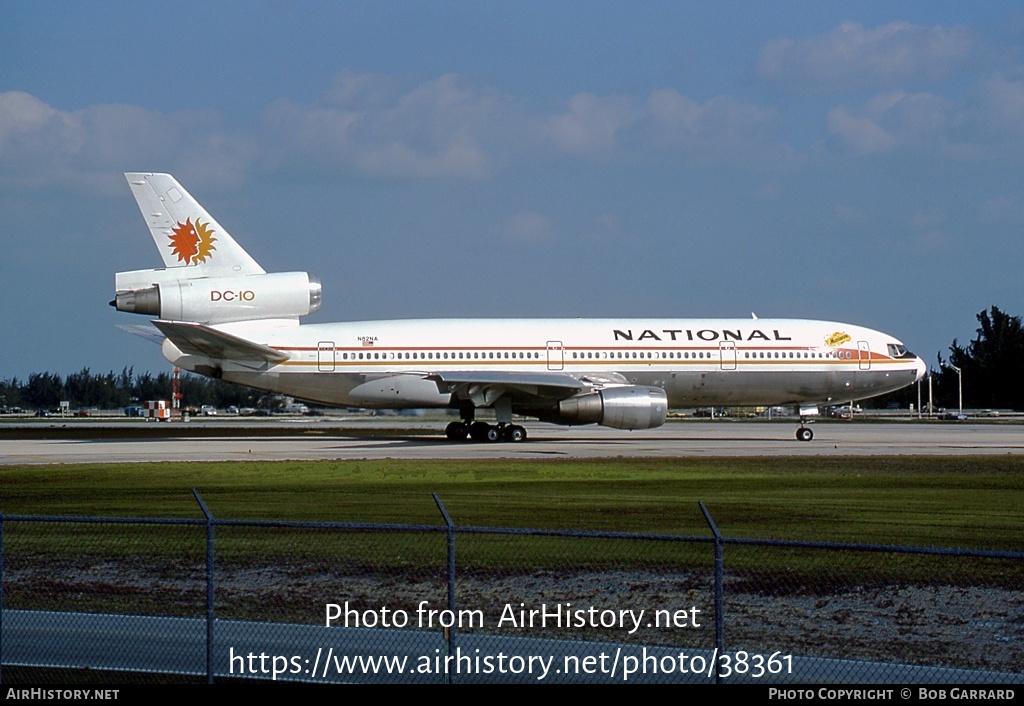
x=975, y=502
x=278, y=573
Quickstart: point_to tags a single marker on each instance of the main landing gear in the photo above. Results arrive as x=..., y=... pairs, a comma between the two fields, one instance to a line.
x=504, y=430
x=481, y=431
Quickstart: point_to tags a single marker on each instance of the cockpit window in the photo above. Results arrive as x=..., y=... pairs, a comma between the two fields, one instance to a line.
x=898, y=350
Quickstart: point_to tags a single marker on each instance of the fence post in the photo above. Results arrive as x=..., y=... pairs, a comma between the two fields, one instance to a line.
x=1, y=596
x=719, y=590
x=449, y=632
x=209, y=586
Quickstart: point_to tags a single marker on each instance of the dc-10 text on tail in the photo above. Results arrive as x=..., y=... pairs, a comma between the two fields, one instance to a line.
x=223, y=316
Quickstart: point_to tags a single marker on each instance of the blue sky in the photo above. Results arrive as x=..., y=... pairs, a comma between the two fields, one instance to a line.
x=850, y=161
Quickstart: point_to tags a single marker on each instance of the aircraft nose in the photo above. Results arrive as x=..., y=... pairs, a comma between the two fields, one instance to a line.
x=922, y=369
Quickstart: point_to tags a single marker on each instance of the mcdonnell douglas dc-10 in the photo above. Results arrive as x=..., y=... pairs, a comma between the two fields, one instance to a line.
x=225, y=317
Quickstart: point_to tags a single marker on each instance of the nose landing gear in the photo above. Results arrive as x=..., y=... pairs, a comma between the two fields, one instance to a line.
x=805, y=411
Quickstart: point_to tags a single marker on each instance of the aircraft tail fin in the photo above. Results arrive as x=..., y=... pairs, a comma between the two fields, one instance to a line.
x=207, y=277
x=185, y=234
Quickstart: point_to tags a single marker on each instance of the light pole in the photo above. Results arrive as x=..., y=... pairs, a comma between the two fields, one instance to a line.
x=931, y=398
x=960, y=386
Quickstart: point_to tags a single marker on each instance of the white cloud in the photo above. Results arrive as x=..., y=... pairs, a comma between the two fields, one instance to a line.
x=442, y=128
x=528, y=227
x=989, y=124
x=591, y=123
x=1004, y=209
x=861, y=132
x=454, y=128
x=605, y=228
x=22, y=114
x=90, y=148
x=893, y=120
x=446, y=127
x=721, y=126
x=352, y=88
x=666, y=123
x=850, y=57
x=1002, y=106
x=454, y=159
x=850, y=214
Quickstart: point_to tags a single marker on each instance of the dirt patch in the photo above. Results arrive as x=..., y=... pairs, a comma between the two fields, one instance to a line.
x=950, y=626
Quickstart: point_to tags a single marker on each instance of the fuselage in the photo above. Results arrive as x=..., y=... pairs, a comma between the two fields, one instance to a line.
x=224, y=316
x=697, y=362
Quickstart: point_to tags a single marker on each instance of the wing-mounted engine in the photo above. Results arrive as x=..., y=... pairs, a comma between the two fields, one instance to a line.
x=621, y=407
x=217, y=300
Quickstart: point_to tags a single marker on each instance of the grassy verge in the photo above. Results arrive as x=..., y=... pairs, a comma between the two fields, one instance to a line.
x=289, y=574
x=963, y=501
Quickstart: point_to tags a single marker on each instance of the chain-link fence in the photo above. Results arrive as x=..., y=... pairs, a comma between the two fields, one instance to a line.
x=106, y=600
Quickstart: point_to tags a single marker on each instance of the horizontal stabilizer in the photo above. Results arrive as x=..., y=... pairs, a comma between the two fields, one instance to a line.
x=199, y=340
x=143, y=332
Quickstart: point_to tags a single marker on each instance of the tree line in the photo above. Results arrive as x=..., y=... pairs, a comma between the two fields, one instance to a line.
x=991, y=371
x=991, y=366
x=111, y=390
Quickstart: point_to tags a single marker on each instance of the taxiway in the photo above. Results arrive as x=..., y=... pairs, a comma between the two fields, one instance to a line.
x=414, y=439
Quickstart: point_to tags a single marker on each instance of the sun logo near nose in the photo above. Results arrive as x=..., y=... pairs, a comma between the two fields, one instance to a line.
x=837, y=339
x=192, y=243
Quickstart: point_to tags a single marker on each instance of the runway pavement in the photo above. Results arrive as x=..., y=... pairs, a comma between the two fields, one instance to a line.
x=332, y=438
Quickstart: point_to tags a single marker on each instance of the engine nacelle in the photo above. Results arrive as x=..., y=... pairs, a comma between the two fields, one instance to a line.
x=218, y=300
x=626, y=407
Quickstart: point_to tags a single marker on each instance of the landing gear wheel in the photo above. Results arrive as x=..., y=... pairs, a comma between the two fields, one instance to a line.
x=456, y=431
x=804, y=434
x=478, y=431
x=516, y=433
x=493, y=433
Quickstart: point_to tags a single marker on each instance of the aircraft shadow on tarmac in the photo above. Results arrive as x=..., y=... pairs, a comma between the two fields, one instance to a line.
x=538, y=443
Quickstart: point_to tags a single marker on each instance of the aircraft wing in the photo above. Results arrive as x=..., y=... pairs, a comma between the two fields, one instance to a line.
x=196, y=339
x=484, y=385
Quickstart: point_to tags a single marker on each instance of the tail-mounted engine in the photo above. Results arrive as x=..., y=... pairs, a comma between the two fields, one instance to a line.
x=217, y=300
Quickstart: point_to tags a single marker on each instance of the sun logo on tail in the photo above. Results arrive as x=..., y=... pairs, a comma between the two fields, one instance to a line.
x=192, y=243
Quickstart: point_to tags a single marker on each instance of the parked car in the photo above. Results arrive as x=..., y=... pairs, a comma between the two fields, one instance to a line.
x=295, y=408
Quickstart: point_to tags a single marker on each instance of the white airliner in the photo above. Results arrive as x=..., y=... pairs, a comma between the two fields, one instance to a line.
x=225, y=317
